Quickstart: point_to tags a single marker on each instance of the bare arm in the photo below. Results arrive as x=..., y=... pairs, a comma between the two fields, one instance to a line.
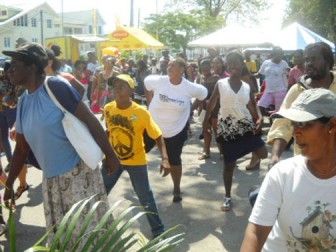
x=255, y=237
x=164, y=166
x=210, y=107
x=98, y=133
x=278, y=147
x=255, y=113
x=78, y=86
x=94, y=86
x=19, y=157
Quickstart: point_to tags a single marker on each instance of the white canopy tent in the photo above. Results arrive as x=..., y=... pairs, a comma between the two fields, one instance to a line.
x=231, y=36
x=296, y=36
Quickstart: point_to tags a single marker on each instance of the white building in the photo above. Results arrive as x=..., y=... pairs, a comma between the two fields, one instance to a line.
x=36, y=23
x=82, y=23
x=33, y=24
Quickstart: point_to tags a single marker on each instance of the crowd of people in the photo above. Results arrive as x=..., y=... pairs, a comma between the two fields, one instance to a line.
x=153, y=99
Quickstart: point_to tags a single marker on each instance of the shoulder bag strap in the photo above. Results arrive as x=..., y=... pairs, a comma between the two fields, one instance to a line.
x=52, y=96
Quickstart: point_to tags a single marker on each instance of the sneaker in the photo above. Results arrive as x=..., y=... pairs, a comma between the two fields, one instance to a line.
x=227, y=205
x=157, y=235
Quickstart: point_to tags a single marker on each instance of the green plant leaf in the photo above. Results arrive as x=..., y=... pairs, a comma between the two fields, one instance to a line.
x=63, y=225
x=72, y=225
x=106, y=236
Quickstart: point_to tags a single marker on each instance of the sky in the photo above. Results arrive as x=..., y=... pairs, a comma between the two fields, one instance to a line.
x=109, y=9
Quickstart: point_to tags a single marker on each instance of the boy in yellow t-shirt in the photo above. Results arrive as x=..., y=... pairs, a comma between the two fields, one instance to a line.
x=125, y=124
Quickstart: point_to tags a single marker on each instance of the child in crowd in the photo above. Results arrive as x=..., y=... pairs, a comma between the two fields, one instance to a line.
x=125, y=123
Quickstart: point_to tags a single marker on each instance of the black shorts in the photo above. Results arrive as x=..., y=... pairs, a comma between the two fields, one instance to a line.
x=175, y=144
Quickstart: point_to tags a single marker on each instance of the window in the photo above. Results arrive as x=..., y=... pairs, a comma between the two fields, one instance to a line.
x=6, y=42
x=78, y=31
x=67, y=31
x=3, y=13
x=90, y=29
x=57, y=25
x=33, y=22
x=35, y=40
x=49, y=23
x=21, y=21
x=100, y=30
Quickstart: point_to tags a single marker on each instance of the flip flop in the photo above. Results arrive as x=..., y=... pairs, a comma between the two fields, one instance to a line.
x=20, y=190
x=203, y=156
x=254, y=167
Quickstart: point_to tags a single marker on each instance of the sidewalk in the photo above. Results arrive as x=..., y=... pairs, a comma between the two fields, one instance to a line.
x=207, y=228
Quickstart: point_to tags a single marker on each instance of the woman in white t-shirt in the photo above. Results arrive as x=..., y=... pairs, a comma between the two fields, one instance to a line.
x=169, y=106
x=296, y=206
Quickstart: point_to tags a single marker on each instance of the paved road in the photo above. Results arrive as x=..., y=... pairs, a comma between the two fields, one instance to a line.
x=206, y=227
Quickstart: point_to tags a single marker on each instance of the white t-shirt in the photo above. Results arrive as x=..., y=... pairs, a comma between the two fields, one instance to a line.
x=300, y=207
x=170, y=106
x=92, y=68
x=275, y=75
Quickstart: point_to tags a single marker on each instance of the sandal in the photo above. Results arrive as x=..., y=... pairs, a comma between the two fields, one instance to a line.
x=203, y=156
x=253, y=167
x=20, y=190
x=177, y=197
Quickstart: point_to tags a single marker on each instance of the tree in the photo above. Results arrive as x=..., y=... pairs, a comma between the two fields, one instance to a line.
x=176, y=29
x=242, y=10
x=318, y=15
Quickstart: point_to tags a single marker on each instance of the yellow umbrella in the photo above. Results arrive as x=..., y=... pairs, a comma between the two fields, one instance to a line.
x=110, y=51
x=131, y=38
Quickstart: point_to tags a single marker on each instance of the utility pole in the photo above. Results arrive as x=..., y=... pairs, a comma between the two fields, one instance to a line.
x=132, y=14
x=94, y=26
x=41, y=19
x=335, y=37
x=156, y=12
x=62, y=18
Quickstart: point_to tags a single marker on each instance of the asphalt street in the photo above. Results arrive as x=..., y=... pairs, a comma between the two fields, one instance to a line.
x=206, y=227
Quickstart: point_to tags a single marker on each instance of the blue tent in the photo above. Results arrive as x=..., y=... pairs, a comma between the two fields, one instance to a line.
x=296, y=36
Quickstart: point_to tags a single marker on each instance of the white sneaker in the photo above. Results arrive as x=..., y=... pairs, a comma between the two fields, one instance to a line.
x=227, y=205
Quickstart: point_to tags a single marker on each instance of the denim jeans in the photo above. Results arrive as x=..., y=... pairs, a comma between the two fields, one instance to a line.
x=139, y=179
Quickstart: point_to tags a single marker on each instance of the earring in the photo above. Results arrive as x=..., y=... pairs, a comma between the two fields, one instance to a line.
x=329, y=131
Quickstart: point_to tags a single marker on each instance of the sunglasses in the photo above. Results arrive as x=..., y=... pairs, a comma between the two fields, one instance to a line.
x=302, y=125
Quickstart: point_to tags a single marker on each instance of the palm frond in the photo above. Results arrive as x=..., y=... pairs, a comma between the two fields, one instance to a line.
x=108, y=234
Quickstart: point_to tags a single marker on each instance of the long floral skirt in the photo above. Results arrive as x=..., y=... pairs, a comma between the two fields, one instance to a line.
x=61, y=192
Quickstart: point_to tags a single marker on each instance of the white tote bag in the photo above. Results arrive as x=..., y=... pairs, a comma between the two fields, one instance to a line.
x=79, y=135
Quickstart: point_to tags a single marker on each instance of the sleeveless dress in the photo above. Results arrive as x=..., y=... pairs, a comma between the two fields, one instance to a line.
x=235, y=124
